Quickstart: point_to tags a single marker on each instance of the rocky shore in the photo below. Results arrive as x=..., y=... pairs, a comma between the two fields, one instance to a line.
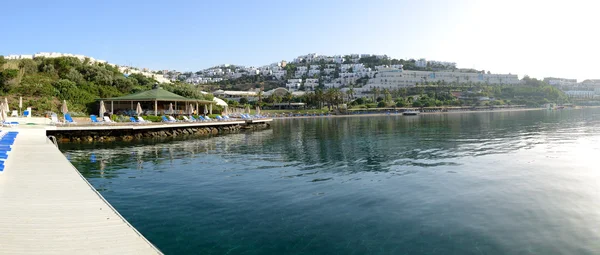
x=110, y=135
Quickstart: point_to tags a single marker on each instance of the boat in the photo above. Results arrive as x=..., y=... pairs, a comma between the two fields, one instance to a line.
x=410, y=113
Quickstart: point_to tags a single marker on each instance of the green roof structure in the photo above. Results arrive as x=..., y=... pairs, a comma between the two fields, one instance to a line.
x=157, y=94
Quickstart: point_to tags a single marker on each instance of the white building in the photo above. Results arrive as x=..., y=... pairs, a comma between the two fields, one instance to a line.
x=313, y=72
x=421, y=63
x=580, y=93
x=311, y=83
x=560, y=82
x=393, y=78
x=279, y=74
x=293, y=84
x=338, y=59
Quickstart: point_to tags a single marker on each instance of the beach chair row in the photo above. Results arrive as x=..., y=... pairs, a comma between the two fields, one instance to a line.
x=7, y=139
x=107, y=120
x=68, y=119
x=170, y=119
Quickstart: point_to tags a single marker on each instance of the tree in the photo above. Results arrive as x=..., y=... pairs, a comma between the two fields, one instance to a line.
x=387, y=96
x=2, y=62
x=350, y=93
x=260, y=96
x=243, y=100
x=276, y=100
x=288, y=98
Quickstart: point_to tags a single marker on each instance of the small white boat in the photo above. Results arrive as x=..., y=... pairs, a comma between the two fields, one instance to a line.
x=410, y=113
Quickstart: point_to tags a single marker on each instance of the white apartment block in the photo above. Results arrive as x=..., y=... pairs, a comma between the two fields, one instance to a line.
x=591, y=83
x=328, y=70
x=393, y=78
x=313, y=72
x=443, y=63
x=279, y=74
x=580, y=94
x=365, y=55
x=311, y=83
x=559, y=82
x=338, y=59
x=421, y=63
x=16, y=57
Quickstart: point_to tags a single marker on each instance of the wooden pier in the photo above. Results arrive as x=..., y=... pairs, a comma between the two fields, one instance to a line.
x=47, y=207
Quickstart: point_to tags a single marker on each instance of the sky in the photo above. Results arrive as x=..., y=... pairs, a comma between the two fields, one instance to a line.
x=527, y=37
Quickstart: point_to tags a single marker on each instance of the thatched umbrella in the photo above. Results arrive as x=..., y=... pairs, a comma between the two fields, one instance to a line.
x=64, y=108
x=139, y=110
x=102, y=109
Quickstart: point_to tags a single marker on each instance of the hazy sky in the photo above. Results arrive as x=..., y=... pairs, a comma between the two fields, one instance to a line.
x=538, y=38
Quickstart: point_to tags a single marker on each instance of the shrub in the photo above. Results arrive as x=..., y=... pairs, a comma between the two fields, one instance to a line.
x=153, y=118
x=381, y=104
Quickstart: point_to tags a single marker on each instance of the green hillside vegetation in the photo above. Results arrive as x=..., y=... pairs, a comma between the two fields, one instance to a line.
x=45, y=82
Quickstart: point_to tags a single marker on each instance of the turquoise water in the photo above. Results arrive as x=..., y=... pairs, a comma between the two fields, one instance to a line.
x=472, y=183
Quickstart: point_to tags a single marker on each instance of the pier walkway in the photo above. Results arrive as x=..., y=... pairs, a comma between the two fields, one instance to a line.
x=47, y=207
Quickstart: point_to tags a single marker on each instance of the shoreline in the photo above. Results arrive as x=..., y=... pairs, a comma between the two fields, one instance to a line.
x=421, y=113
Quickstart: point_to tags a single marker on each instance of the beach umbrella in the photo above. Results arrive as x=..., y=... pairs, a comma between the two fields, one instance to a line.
x=205, y=109
x=191, y=109
x=257, y=110
x=2, y=112
x=20, y=104
x=225, y=110
x=171, y=108
x=6, y=106
x=64, y=108
x=139, y=110
x=102, y=109
x=248, y=109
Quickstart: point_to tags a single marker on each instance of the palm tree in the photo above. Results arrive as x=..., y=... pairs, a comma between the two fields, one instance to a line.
x=350, y=93
x=260, y=95
x=288, y=97
x=319, y=97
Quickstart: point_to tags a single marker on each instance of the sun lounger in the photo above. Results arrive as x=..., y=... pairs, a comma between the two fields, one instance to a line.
x=54, y=119
x=142, y=120
x=172, y=119
x=193, y=119
x=208, y=118
x=187, y=119
x=94, y=119
x=68, y=119
x=108, y=120
x=133, y=120
x=164, y=119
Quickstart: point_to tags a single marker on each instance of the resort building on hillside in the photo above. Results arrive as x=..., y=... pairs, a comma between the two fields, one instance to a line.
x=561, y=82
x=580, y=94
x=392, y=78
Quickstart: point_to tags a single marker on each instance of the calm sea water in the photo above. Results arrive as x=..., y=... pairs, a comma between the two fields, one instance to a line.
x=473, y=183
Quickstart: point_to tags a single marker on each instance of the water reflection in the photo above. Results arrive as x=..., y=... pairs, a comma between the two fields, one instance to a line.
x=354, y=144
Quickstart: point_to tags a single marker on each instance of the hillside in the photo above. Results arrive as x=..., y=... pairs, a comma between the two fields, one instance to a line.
x=45, y=82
